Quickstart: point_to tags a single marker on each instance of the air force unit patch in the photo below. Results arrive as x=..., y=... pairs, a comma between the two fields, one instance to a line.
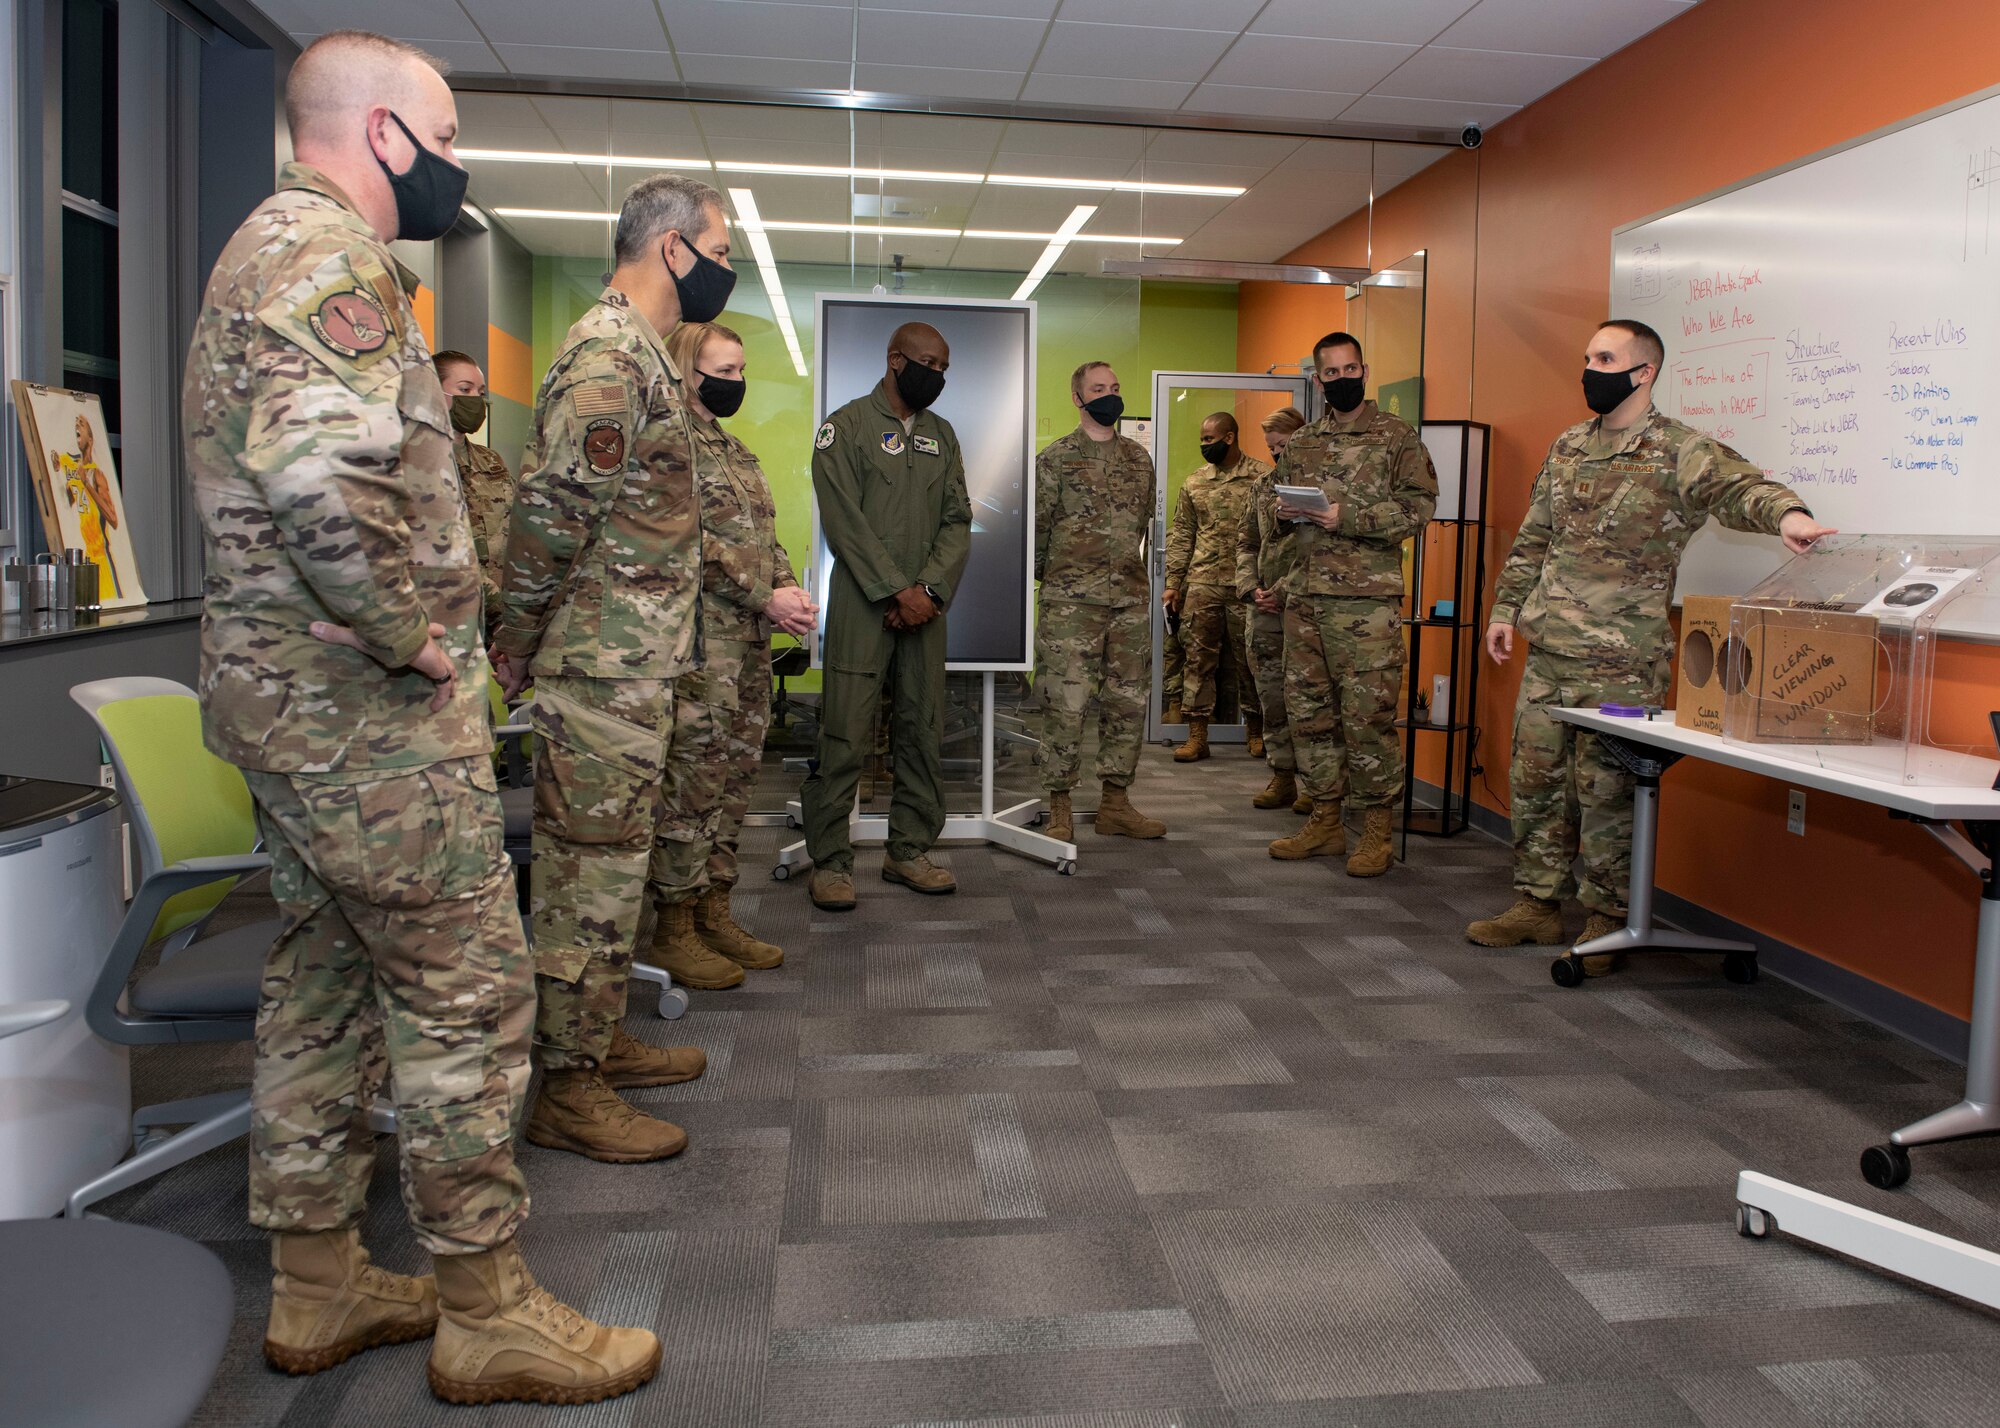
x=892, y=442
x=926, y=444
x=825, y=437
x=352, y=323
x=604, y=446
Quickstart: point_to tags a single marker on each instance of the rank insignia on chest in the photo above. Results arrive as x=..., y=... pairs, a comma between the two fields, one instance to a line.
x=825, y=437
x=926, y=444
x=604, y=446
x=1586, y=487
x=892, y=442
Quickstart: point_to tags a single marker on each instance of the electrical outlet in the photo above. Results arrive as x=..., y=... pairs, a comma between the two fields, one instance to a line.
x=1795, y=813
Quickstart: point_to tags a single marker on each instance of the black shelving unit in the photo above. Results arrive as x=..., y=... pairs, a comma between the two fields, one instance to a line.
x=1460, y=450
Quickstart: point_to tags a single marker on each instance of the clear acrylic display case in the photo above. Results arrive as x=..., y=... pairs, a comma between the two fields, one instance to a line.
x=1872, y=655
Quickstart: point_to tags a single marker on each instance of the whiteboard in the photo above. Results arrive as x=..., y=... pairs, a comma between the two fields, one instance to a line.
x=1838, y=322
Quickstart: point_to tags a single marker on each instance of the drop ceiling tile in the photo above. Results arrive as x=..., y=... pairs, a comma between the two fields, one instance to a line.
x=1013, y=9
x=1131, y=51
x=948, y=41
x=653, y=116
x=932, y=131
x=464, y=56
x=833, y=153
x=1401, y=161
x=1108, y=93
x=1483, y=76
x=1560, y=27
x=1330, y=66
x=1436, y=113
x=922, y=79
x=562, y=239
x=1407, y=22
x=512, y=114
x=770, y=73
x=1195, y=146
x=732, y=27
x=1097, y=141
x=1228, y=175
x=412, y=20
x=1231, y=15
x=1268, y=103
x=561, y=62
x=564, y=186
x=1330, y=156
x=724, y=122
x=607, y=27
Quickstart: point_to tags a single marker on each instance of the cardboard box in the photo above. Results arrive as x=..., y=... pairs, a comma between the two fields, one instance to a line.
x=1808, y=677
x=1698, y=682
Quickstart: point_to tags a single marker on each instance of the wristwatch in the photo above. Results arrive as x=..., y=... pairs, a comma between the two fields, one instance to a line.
x=931, y=590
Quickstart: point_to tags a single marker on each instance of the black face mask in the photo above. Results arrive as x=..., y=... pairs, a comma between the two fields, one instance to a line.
x=468, y=413
x=1213, y=451
x=1603, y=391
x=1105, y=411
x=918, y=385
x=1344, y=394
x=704, y=292
x=721, y=395
x=428, y=193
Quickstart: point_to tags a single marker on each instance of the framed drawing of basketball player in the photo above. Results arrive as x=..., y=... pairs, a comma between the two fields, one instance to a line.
x=76, y=485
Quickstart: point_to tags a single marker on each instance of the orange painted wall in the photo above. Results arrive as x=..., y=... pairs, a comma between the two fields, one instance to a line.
x=1518, y=236
x=509, y=367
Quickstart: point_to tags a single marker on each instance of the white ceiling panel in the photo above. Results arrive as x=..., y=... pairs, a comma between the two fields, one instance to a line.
x=724, y=122
x=549, y=186
x=652, y=116
x=565, y=63
x=1288, y=62
x=802, y=248
x=465, y=56
x=936, y=132
x=925, y=79
x=1230, y=15
x=760, y=72
x=1400, y=161
x=732, y=27
x=905, y=37
x=1403, y=22
x=1116, y=144
x=1324, y=156
x=561, y=239
x=1592, y=28
x=1012, y=9
x=1197, y=146
x=1483, y=76
x=1432, y=113
x=1112, y=93
x=1131, y=51
x=413, y=20
x=833, y=153
x=510, y=22
x=1300, y=104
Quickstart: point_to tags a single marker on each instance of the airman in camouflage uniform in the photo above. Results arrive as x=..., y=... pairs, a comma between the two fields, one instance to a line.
x=722, y=710
x=1344, y=652
x=1093, y=500
x=343, y=672
x=1265, y=552
x=1588, y=583
x=483, y=478
x=602, y=602
x=1201, y=580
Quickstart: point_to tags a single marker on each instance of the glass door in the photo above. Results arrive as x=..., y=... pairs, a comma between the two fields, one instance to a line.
x=1182, y=401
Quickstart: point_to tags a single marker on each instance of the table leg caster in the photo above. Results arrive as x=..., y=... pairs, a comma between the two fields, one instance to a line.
x=1567, y=971
x=1753, y=1223
x=673, y=1004
x=781, y=873
x=1740, y=967
x=1885, y=1166
x=1066, y=866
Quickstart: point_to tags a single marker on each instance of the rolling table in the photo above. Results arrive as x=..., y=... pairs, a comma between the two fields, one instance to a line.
x=1649, y=747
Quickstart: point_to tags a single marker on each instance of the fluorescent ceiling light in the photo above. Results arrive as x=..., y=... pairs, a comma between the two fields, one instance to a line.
x=778, y=225
x=1078, y=216
x=752, y=224
x=744, y=166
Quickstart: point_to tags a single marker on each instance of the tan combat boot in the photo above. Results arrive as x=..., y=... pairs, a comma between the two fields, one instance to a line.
x=1062, y=821
x=577, y=1111
x=1303, y=803
x=1281, y=790
x=1196, y=747
x=716, y=926
x=328, y=1303
x=1324, y=836
x=1377, y=850
x=502, y=1338
x=681, y=952
x=919, y=874
x=1253, y=733
x=1600, y=964
x=1117, y=818
x=632, y=1063
x=1530, y=919
x=832, y=889
x=1173, y=714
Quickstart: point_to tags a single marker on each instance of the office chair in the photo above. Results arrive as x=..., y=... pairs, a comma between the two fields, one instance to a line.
x=102, y=1322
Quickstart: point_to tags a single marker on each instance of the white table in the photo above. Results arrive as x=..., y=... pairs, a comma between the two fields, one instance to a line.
x=1651, y=746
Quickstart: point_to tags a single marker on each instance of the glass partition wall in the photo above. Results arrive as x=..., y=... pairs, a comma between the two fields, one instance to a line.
x=919, y=205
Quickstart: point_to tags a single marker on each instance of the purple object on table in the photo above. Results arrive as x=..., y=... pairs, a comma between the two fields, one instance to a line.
x=1623, y=711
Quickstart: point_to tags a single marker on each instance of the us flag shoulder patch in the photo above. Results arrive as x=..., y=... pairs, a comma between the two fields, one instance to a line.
x=596, y=399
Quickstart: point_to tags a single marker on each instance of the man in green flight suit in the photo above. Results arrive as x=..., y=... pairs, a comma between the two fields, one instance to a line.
x=894, y=510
